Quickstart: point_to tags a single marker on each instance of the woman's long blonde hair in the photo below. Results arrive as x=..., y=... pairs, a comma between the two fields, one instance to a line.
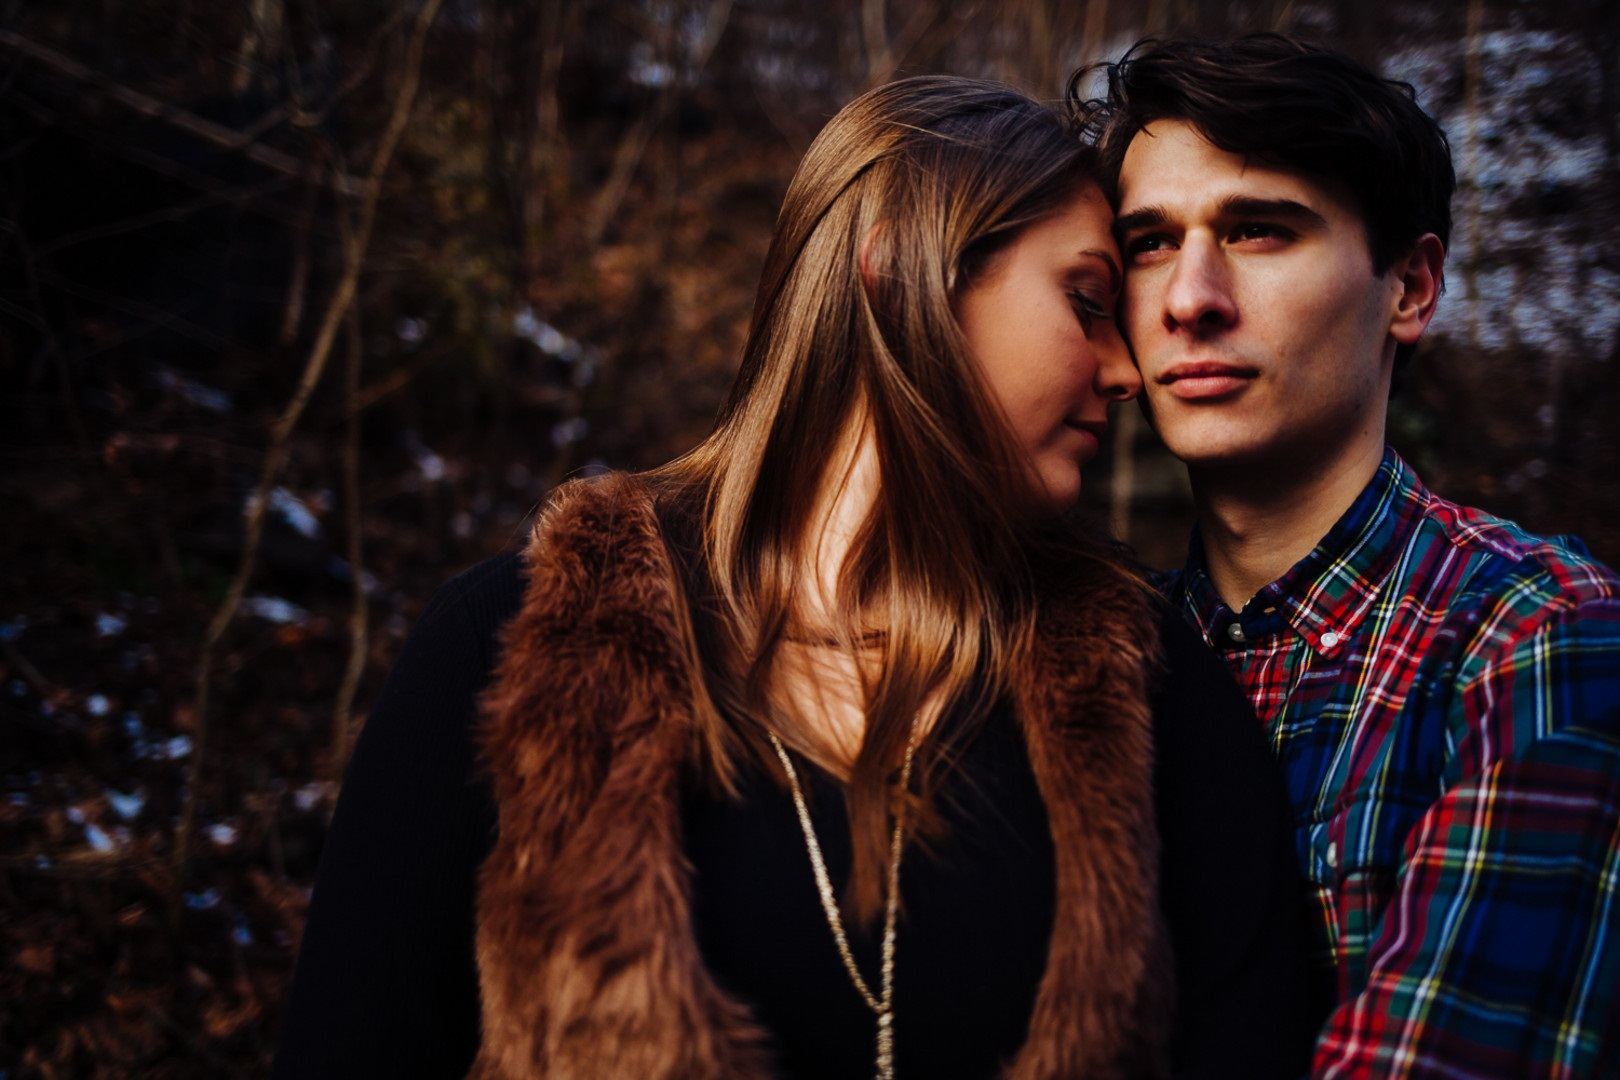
x=903, y=198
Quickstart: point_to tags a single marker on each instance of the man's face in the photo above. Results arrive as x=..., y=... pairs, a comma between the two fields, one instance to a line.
x=1261, y=331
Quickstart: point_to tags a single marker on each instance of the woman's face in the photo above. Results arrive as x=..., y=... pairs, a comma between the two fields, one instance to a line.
x=1039, y=323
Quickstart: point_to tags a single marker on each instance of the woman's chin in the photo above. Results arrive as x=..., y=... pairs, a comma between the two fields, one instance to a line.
x=1059, y=491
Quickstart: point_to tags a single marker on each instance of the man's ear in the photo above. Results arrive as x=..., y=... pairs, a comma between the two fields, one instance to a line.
x=1419, y=275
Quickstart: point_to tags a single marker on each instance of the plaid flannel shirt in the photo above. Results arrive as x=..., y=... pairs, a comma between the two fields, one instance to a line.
x=1443, y=691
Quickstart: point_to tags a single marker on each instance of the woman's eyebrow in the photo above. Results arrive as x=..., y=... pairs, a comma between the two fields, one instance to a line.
x=1114, y=277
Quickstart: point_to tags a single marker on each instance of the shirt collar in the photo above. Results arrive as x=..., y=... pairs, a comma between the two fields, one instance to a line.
x=1325, y=595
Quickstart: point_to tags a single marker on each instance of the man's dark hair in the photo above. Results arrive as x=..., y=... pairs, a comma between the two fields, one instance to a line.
x=1290, y=105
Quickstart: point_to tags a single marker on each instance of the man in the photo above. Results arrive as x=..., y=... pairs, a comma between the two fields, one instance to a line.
x=1442, y=688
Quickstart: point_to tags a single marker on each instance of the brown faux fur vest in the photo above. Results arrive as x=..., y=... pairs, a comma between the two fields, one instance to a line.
x=588, y=963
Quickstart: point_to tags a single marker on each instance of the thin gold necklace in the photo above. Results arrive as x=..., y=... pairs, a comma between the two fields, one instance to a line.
x=881, y=1003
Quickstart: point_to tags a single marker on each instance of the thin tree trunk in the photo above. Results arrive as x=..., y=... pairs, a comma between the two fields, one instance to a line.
x=1122, y=482
x=342, y=712
x=1466, y=216
x=292, y=312
x=337, y=308
x=875, y=39
x=1096, y=27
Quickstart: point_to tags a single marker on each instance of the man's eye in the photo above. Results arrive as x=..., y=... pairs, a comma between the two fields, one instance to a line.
x=1139, y=246
x=1256, y=230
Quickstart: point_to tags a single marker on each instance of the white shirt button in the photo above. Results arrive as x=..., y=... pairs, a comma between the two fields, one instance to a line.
x=1331, y=638
x=1235, y=632
x=1333, y=855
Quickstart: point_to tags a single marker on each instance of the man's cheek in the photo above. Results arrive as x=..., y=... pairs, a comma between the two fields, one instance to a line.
x=1131, y=308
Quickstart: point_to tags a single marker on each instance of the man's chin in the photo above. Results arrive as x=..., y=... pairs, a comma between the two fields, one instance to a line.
x=1215, y=450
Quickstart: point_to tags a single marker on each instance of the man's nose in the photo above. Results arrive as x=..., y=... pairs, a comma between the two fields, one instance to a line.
x=1199, y=297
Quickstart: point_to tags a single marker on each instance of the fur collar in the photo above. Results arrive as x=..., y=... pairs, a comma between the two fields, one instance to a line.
x=588, y=964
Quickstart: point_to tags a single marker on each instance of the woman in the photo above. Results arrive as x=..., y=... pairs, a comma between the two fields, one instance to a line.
x=834, y=747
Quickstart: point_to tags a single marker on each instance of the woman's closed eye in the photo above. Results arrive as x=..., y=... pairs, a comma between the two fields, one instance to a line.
x=1090, y=309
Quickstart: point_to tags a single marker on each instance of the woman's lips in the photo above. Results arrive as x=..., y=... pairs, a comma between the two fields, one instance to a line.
x=1206, y=380
x=1093, y=431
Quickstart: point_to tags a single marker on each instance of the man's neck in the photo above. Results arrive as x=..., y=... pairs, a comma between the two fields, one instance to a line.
x=1258, y=520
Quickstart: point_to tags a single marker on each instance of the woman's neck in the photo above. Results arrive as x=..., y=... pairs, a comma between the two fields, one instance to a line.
x=818, y=680
x=842, y=507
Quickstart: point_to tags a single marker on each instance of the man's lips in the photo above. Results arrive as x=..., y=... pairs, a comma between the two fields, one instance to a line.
x=1206, y=380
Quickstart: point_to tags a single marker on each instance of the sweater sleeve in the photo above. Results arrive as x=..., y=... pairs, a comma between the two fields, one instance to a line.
x=386, y=982
x=1230, y=887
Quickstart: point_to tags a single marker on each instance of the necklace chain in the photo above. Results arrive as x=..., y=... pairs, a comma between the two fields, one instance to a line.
x=881, y=1003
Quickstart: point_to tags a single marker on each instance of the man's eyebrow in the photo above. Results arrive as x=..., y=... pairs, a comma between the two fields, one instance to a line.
x=1108, y=260
x=1145, y=218
x=1247, y=206
x=1233, y=206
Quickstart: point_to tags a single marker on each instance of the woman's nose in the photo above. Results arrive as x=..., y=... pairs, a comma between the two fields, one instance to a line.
x=1117, y=378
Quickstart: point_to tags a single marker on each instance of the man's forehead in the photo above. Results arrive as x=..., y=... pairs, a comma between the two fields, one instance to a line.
x=1169, y=164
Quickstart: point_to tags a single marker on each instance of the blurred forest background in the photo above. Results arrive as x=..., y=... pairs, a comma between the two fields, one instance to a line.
x=306, y=304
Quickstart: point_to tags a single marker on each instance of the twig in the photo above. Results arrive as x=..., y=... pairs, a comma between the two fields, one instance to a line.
x=31, y=674
x=343, y=710
x=292, y=312
x=354, y=252
x=634, y=144
x=297, y=115
x=139, y=155
x=392, y=383
x=176, y=212
x=158, y=317
x=259, y=29
x=153, y=109
x=53, y=344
